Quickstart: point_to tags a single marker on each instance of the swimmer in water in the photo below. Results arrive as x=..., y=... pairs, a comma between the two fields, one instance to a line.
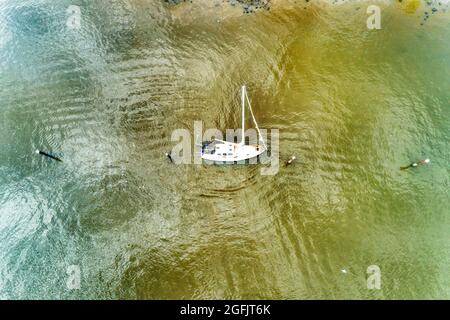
x=48, y=155
x=290, y=161
x=416, y=164
x=169, y=156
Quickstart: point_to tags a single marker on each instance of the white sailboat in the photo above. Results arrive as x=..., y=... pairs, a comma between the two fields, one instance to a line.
x=230, y=152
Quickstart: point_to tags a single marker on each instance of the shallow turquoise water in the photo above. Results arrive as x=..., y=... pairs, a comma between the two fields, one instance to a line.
x=353, y=104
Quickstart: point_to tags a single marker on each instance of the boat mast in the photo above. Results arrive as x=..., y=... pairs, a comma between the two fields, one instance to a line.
x=254, y=120
x=243, y=114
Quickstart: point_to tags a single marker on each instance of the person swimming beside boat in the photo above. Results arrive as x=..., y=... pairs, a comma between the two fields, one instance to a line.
x=416, y=164
x=290, y=161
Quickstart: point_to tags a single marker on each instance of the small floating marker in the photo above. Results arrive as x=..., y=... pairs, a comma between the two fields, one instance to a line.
x=343, y=271
x=48, y=155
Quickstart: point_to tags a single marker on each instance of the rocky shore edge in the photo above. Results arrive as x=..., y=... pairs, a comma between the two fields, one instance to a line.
x=251, y=6
x=248, y=6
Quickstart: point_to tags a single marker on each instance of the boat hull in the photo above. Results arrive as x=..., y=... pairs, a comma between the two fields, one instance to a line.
x=239, y=155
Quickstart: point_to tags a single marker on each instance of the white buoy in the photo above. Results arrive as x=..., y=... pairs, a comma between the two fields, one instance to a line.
x=344, y=271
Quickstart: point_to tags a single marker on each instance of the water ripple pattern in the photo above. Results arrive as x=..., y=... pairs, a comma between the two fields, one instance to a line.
x=352, y=104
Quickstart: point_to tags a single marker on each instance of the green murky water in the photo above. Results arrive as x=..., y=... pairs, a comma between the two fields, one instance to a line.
x=352, y=104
